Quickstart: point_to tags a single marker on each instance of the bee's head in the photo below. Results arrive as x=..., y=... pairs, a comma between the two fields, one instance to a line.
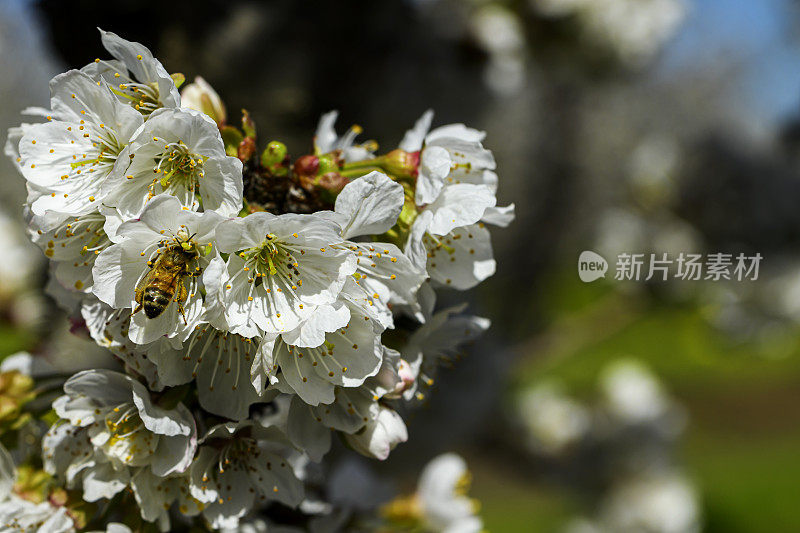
x=186, y=241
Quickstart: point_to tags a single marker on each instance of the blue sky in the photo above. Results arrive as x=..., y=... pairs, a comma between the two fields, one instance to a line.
x=757, y=33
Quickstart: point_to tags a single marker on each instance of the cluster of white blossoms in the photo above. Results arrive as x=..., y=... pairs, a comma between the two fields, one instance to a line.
x=246, y=296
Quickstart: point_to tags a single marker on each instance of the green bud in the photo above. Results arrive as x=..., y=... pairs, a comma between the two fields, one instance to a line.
x=327, y=163
x=274, y=154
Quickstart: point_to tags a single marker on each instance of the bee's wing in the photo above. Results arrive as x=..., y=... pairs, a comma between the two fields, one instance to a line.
x=147, y=279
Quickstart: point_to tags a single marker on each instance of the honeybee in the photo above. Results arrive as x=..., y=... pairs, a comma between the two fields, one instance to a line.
x=165, y=281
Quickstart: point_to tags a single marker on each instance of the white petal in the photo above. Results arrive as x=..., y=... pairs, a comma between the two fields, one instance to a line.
x=457, y=131
x=468, y=261
x=154, y=495
x=145, y=70
x=274, y=477
x=162, y=421
x=381, y=435
x=384, y=269
x=459, y=205
x=415, y=246
x=305, y=432
x=103, y=481
x=220, y=362
x=435, y=163
x=348, y=410
x=241, y=233
x=235, y=491
x=325, y=137
x=298, y=373
x=105, y=387
x=468, y=155
x=116, y=271
x=413, y=139
x=499, y=216
x=63, y=446
x=311, y=333
x=221, y=187
x=370, y=205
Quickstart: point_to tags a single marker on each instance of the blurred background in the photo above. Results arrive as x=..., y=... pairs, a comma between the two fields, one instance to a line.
x=638, y=126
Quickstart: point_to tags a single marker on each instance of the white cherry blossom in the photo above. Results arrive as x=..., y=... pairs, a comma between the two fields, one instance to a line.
x=18, y=514
x=369, y=425
x=163, y=226
x=239, y=465
x=384, y=276
x=346, y=355
x=446, y=155
x=448, y=237
x=178, y=152
x=136, y=77
x=441, y=493
x=73, y=245
x=112, y=428
x=280, y=270
x=68, y=158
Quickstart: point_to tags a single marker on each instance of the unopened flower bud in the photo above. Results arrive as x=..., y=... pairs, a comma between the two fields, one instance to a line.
x=246, y=149
x=401, y=163
x=407, y=377
x=273, y=154
x=200, y=96
x=406, y=373
x=306, y=166
x=327, y=163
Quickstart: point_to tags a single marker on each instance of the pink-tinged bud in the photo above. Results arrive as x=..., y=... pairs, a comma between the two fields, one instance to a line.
x=406, y=373
x=407, y=378
x=306, y=166
x=401, y=163
x=246, y=149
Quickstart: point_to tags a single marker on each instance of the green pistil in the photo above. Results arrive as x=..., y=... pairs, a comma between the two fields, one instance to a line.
x=264, y=255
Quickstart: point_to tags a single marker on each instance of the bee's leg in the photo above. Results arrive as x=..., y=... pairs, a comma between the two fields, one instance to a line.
x=139, y=299
x=180, y=298
x=151, y=261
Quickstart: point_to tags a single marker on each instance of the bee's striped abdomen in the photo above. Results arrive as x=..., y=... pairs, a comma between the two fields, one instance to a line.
x=154, y=301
